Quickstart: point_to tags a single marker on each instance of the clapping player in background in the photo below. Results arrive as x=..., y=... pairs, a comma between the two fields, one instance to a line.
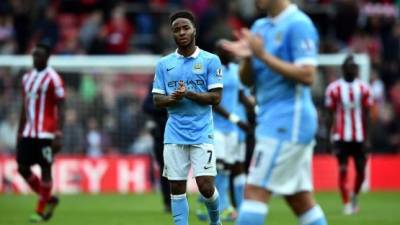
x=279, y=59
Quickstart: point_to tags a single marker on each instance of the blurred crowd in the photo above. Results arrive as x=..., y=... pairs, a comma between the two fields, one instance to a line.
x=104, y=113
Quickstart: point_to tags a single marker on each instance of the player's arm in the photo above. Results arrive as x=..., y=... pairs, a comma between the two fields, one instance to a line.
x=232, y=117
x=162, y=101
x=212, y=97
x=246, y=71
x=329, y=114
x=303, y=74
x=249, y=104
x=22, y=121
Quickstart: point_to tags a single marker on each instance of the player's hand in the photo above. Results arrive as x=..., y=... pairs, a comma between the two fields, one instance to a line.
x=255, y=42
x=244, y=126
x=56, y=145
x=239, y=48
x=180, y=92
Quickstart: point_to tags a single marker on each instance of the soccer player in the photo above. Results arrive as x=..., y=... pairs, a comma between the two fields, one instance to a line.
x=279, y=59
x=348, y=101
x=39, y=133
x=227, y=124
x=160, y=116
x=188, y=82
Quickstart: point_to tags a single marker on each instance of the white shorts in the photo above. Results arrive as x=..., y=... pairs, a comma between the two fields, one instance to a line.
x=240, y=155
x=178, y=159
x=225, y=145
x=281, y=167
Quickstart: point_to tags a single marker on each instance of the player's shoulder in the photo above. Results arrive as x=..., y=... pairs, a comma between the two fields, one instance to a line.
x=333, y=85
x=300, y=20
x=166, y=59
x=363, y=84
x=208, y=55
x=259, y=23
x=54, y=75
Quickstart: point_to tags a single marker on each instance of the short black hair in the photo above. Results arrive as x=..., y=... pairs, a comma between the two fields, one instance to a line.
x=182, y=14
x=44, y=46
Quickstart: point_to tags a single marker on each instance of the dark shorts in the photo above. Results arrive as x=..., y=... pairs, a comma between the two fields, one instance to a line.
x=31, y=151
x=345, y=150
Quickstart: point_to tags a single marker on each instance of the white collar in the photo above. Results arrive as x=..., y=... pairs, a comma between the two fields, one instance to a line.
x=282, y=15
x=194, y=55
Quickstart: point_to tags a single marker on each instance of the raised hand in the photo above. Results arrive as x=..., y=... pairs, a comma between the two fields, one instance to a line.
x=239, y=48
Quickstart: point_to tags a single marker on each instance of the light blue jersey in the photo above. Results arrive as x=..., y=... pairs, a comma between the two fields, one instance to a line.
x=286, y=108
x=230, y=97
x=188, y=122
x=242, y=113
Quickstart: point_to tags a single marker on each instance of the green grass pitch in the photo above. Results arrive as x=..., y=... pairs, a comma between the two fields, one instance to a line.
x=378, y=208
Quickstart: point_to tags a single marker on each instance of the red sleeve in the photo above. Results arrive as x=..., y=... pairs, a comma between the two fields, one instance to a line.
x=330, y=98
x=58, y=86
x=367, y=100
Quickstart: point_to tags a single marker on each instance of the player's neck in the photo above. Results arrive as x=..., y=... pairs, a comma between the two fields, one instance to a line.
x=40, y=68
x=278, y=7
x=187, y=50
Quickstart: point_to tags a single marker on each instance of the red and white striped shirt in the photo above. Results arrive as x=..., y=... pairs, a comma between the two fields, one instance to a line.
x=42, y=90
x=349, y=101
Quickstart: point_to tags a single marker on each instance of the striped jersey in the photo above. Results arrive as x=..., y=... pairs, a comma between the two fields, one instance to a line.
x=348, y=100
x=42, y=90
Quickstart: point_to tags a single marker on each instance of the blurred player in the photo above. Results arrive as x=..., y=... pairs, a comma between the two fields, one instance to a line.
x=226, y=134
x=280, y=59
x=39, y=133
x=188, y=82
x=160, y=116
x=348, y=101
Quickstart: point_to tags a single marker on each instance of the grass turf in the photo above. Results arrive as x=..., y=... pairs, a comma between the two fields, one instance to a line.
x=378, y=208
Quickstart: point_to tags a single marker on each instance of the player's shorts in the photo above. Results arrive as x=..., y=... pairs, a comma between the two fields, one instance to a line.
x=225, y=145
x=240, y=154
x=281, y=167
x=344, y=150
x=178, y=159
x=32, y=151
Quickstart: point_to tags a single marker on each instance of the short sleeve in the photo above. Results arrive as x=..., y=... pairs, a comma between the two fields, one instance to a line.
x=330, y=98
x=304, y=43
x=214, y=74
x=158, y=83
x=368, y=99
x=59, y=90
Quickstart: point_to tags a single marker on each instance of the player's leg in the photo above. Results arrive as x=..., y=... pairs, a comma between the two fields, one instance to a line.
x=360, y=161
x=298, y=188
x=47, y=203
x=203, y=161
x=25, y=159
x=342, y=158
x=254, y=208
x=239, y=175
x=176, y=169
x=223, y=169
x=165, y=186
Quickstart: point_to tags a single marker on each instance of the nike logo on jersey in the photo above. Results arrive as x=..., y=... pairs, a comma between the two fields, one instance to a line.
x=207, y=167
x=168, y=69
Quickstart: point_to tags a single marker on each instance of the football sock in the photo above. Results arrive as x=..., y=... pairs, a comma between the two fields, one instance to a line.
x=252, y=212
x=359, y=181
x=314, y=216
x=180, y=209
x=212, y=205
x=238, y=188
x=34, y=183
x=343, y=186
x=45, y=193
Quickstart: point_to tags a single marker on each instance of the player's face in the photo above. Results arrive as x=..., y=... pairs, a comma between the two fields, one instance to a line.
x=184, y=32
x=39, y=58
x=264, y=5
x=350, y=69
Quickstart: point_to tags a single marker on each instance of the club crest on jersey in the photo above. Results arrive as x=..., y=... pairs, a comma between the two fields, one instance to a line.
x=219, y=72
x=278, y=37
x=198, y=68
